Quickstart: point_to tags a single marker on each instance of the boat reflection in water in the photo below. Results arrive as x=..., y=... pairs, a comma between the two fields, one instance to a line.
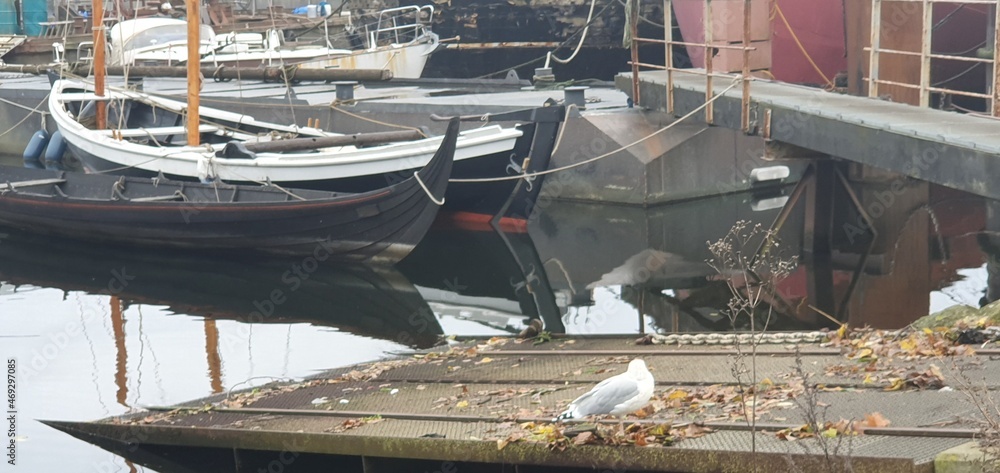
x=580, y=268
x=375, y=302
x=593, y=269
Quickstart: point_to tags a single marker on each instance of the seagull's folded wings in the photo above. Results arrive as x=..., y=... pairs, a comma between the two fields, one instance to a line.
x=606, y=395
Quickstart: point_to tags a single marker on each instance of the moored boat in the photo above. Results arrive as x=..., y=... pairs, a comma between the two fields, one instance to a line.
x=381, y=225
x=150, y=141
x=399, y=39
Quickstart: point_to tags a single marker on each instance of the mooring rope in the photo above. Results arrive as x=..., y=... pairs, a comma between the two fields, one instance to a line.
x=423, y=186
x=27, y=116
x=736, y=82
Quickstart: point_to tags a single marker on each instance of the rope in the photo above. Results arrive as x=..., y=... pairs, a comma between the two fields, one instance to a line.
x=561, y=45
x=25, y=107
x=377, y=122
x=579, y=45
x=423, y=186
x=802, y=48
x=627, y=35
x=26, y=117
x=122, y=168
x=562, y=129
x=736, y=82
x=643, y=17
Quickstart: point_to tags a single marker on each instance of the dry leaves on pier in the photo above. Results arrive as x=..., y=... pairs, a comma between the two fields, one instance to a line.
x=728, y=401
x=835, y=429
x=876, y=355
x=559, y=437
x=867, y=345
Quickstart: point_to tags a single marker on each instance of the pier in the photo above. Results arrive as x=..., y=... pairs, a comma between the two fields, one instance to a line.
x=955, y=150
x=487, y=405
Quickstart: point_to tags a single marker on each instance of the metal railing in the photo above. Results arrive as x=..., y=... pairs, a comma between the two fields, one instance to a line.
x=401, y=25
x=924, y=86
x=709, y=46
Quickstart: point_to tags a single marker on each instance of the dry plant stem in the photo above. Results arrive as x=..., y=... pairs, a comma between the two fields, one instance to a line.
x=759, y=274
x=815, y=414
x=981, y=398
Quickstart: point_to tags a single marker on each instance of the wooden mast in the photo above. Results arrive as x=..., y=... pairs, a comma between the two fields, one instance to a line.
x=99, y=65
x=193, y=69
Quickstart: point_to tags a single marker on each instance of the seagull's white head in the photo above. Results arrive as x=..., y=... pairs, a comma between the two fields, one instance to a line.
x=637, y=367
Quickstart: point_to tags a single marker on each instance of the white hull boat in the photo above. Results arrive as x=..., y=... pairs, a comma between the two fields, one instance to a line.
x=150, y=141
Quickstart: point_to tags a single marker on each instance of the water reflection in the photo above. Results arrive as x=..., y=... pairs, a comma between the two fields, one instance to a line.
x=134, y=328
x=376, y=302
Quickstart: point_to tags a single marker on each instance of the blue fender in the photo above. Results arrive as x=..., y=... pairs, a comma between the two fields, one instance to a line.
x=36, y=146
x=55, y=151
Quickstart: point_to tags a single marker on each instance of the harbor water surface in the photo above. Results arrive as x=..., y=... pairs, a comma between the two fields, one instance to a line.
x=98, y=331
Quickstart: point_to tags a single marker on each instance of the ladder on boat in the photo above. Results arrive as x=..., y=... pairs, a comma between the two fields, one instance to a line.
x=9, y=42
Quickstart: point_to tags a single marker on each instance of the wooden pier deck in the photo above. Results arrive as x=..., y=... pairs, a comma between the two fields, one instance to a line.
x=487, y=406
x=951, y=149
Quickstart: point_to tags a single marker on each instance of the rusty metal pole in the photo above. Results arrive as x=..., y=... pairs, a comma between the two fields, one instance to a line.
x=996, y=61
x=193, y=70
x=925, y=53
x=745, y=112
x=709, y=109
x=101, y=112
x=668, y=51
x=633, y=25
x=874, y=42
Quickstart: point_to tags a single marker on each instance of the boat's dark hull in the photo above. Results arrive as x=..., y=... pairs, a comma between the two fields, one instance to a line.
x=380, y=225
x=485, y=198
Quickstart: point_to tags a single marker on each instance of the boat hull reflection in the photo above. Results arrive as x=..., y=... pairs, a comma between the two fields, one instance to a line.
x=376, y=302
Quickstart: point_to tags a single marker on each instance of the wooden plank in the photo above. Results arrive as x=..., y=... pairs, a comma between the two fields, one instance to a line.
x=360, y=139
x=161, y=198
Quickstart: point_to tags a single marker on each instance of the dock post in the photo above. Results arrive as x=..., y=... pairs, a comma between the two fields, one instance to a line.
x=925, y=53
x=345, y=90
x=576, y=95
x=633, y=25
x=876, y=38
x=668, y=51
x=816, y=244
x=710, y=109
x=995, y=109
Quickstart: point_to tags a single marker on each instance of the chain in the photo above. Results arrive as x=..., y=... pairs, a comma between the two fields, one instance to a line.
x=733, y=338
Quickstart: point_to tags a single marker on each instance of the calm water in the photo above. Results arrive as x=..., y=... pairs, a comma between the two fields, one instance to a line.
x=98, y=331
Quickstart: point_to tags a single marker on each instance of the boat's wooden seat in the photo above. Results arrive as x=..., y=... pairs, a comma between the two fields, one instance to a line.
x=157, y=131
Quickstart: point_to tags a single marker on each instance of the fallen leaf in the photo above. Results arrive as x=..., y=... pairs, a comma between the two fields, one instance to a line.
x=876, y=420
x=584, y=438
x=677, y=394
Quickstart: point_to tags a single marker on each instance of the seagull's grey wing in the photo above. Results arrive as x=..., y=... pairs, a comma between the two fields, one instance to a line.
x=606, y=395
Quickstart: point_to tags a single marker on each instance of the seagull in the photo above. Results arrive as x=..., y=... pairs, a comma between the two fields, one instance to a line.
x=617, y=395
